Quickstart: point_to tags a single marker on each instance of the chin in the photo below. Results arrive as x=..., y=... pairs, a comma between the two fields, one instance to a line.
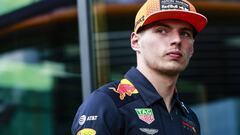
x=177, y=66
x=172, y=70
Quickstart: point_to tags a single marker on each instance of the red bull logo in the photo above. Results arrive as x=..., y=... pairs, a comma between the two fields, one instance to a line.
x=125, y=88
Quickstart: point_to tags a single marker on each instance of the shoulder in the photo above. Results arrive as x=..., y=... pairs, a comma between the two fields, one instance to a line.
x=101, y=94
x=193, y=116
x=97, y=113
x=196, y=121
x=103, y=106
x=192, y=119
x=99, y=99
x=115, y=94
x=120, y=92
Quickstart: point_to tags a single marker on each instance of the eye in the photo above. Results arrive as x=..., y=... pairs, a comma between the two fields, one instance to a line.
x=187, y=34
x=161, y=30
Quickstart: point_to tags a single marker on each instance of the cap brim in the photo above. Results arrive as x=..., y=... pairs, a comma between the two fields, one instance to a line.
x=198, y=21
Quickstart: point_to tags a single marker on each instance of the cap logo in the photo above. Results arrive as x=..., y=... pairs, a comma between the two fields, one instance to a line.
x=174, y=4
x=139, y=21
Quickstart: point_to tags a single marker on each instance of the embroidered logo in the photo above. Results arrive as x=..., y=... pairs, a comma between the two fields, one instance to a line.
x=145, y=114
x=82, y=119
x=174, y=4
x=139, y=21
x=125, y=88
x=87, y=131
x=85, y=118
x=188, y=124
x=149, y=131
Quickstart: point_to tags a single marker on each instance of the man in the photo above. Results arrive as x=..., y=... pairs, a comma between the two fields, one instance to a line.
x=145, y=101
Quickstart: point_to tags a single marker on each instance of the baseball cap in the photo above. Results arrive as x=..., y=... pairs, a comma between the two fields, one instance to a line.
x=155, y=10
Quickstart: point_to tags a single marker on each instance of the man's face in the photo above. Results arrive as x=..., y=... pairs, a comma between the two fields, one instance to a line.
x=165, y=46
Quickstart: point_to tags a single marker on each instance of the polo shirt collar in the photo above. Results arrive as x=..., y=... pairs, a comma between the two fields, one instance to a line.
x=145, y=88
x=148, y=93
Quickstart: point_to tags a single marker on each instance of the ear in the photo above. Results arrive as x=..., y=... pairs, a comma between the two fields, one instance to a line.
x=135, y=41
x=192, y=51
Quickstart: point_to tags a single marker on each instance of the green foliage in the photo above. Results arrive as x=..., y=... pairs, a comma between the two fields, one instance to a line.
x=34, y=77
x=7, y=6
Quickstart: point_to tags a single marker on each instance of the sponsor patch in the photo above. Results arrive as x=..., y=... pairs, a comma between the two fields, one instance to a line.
x=87, y=131
x=91, y=118
x=174, y=4
x=145, y=114
x=188, y=124
x=149, y=131
x=82, y=119
x=85, y=118
x=125, y=87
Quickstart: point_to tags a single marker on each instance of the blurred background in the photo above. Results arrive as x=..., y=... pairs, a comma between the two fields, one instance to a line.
x=53, y=53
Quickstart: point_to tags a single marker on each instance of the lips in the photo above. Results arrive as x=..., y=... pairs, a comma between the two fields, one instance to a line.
x=175, y=54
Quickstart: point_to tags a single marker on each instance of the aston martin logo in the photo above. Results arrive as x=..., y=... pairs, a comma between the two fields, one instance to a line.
x=149, y=131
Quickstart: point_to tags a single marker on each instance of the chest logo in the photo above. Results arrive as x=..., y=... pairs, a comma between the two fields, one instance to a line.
x=145, y=114
x=125, y=88
x=188, y=124
x=149, y=131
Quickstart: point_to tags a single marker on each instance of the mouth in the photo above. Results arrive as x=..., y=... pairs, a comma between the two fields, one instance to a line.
x=174, y=54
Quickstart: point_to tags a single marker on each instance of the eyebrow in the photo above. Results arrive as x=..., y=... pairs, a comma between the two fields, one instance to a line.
x=168, y=26
x=155, y=24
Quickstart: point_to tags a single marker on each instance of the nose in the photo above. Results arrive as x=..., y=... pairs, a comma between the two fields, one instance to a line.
x=175, y=38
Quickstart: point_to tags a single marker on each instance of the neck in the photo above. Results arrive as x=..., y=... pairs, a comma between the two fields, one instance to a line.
x=163, y=83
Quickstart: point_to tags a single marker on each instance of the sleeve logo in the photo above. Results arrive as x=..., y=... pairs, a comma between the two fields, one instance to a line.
x=87, y=131
x=82, y=119
x=85, y=118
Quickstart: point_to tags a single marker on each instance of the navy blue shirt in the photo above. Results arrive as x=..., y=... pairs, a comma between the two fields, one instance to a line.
x=132, y=106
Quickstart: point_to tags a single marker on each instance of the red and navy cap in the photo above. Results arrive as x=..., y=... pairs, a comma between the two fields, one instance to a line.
x=155, y=10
